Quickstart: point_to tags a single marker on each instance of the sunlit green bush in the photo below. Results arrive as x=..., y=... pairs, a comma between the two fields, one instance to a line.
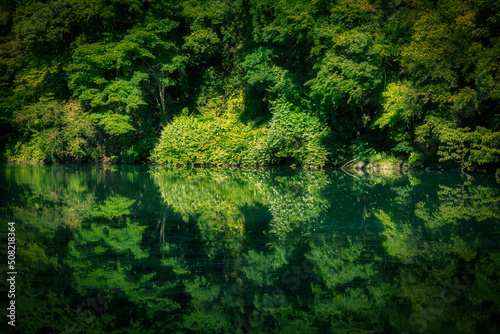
x=219, y=137
x=296, y=136
x=220, y=140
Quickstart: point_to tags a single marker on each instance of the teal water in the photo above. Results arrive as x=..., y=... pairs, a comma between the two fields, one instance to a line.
x=128, y=249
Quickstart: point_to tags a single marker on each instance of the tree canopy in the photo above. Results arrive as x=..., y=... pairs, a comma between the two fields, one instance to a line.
x=314, y=82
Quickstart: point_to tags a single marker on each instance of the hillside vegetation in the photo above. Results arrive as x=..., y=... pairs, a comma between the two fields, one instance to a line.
x=251, y=82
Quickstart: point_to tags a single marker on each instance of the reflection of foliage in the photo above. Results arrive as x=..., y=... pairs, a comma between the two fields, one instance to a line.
x=121, y=247
x=402, y=240
x=447, y=234
x=296, y=201
x=112, y=243
x=260, y=266
x=38, y=258
x=214, y=199
x=349, y=291
x=487, y=283
x=215, y=196
x=177, y=266
x=462, y=202
x=302, y=325
x=113, y=207
x=192, y=191
x=244, y=249
x=337, y=266
x=52, y=313
x=208, y=316
x=49, y=188
x=119, y=240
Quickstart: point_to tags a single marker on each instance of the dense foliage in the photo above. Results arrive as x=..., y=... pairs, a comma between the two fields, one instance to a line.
x=139, y=249
x=251, y=82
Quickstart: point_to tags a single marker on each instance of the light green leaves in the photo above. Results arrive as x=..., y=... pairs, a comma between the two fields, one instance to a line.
x=223, y=140
x=113, y=124
x=292, y=137
x=201, y=41
x=402, y=105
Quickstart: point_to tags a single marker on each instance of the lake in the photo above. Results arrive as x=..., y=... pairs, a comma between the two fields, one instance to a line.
x=145, y=249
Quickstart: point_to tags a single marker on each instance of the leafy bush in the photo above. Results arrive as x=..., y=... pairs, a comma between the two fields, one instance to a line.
x=216, y=137
x=296, y=136
x=292, y=137
x=383, y=159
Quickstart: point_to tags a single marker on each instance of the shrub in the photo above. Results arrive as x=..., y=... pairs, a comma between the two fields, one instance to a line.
x=296, y=137
x=291, y=137
x=220, y=140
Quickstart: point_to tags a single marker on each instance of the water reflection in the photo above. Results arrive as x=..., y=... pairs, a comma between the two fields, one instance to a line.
x=149, y=249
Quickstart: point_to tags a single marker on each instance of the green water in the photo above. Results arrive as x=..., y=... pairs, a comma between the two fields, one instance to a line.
x=154, y=250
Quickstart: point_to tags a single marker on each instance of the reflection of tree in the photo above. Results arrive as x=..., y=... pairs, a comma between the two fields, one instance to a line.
x=219, y=201
x=264, y=250
x=461, y=202
x=296, y=201
x=447, y=271
x=48, y=205
x=113, y=208
x=260, y=267
x=104, y=257
x=100, y=257
x=216, y=198
x=207, y=316
x=348, y=286
x=350, y=293
x=52, y=197
x=402, y=240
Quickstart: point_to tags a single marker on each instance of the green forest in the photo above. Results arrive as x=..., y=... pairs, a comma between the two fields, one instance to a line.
x=359, y=83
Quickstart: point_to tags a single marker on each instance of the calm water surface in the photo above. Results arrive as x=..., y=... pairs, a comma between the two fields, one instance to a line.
x=131, y=249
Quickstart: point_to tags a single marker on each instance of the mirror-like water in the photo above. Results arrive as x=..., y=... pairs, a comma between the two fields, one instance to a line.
x=153, y=250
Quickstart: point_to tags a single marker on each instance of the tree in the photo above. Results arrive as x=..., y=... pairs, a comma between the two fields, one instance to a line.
x=53, y=132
